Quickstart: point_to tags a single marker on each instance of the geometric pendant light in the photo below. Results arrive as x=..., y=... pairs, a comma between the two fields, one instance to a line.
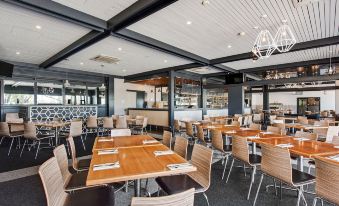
x=264, y=45
x=284, y=38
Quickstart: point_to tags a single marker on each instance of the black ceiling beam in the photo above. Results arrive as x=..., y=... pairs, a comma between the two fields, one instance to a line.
x=130, y=15
x=297, y=47
x=85, y=41
x=224, y=68
x=137, y=11
x=291, y=65
x=158, y=45
x=162, y=71
x=298, y=89
x=62, y=12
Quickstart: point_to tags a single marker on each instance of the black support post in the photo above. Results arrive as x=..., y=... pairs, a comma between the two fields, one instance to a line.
x=203, y=98
x=171, y=96
x=266, y=105
x=110, y=95
x=235, y=100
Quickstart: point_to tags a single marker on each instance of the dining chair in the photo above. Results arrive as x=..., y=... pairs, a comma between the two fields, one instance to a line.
x=218, y=144
x=249, y=120
x=6, y=133
x=274, y=130
x=272, y=118
x=31, y=134
x=206, y=117
x=92, y=125
x=257, y=118
x=52, y=182
x=141, y=127
x=121, y=123
x=235, y=123
x=185, y=198
x=77, y=164
x=240, y=152
x=120, y=132
x=240, y=120
x=167, y=139
x=255, y=126
x=201, y=137
x=282, y=127
x=327, y=181
x=107, y=124
x=276, y=163
x=308, y=135
x=331, y=132
x=302, y=120
x=75, y=130
x=245, y=121
x=190, y=132
x=180, y=146
x=71, y=182
x=177, y=127
x=200, y=179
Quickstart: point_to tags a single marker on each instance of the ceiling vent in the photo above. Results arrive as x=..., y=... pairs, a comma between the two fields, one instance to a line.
x=298, y=3
x=105, y=59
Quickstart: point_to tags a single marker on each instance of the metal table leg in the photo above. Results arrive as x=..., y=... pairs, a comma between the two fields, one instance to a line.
x=300, y=163
x=137, y=188
x=254, y=148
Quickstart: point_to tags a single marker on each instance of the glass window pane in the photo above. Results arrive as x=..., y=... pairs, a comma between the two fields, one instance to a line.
x=76, y=95
x=49, y=93
x=18, y=92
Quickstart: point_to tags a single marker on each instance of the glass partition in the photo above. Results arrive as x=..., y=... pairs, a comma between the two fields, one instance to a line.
x=187, y=93
x=216, y=98
x=49, y=93
x=18, y=92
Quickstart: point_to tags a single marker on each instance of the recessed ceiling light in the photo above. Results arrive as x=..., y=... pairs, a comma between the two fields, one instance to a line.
x=38, y=27
x=256, y=27
x=205, y=2
x=229, y=46
x=124, y=70
x=120, y=49
x=242, y=33
x=188, y=22
x=165, y=60
x=254, y=61
x=81, y=63
x=264, y=16
x=17, y=53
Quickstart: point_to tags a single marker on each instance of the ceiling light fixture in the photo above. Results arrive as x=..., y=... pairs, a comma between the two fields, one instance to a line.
x=165, y=60
x=17, y=53
x=331, y=69
x=242, y=33
x=284, y=38
x=205, y=2
x=124, y=70
x=120, y=49
x=188, y=22
x=81, y=63
x=229, y=46
x=264, y=45
x=38, y=27
x=66, y=83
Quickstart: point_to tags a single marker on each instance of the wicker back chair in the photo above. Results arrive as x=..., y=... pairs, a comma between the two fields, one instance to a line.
x=180, y=146
x=78, y=165
x=185, y=198
x=302, y=120
x=189, y=129
x=91, y=122
x=61, y=156
x=167, y=139
x=200, y=134
x=311, y=136
x=235, y=123
x=331, y=132
x=107, y=123
x=218, y=144
x=327, y=182
x=282, y=127
x=121, y=123
x=274, y=130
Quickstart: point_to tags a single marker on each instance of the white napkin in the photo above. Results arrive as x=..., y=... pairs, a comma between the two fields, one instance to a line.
x=108, y=151
x=301, y=139
x=337, y=147
x=179, y=166
x=211, y=127
x=253, y=137
x=164, y=152
x=335, y=158
x=245, y=128
x=106, y=166
x=231, y=132
x=150, y=141
x=105, y=140
x=266, y=132
x=285, y=145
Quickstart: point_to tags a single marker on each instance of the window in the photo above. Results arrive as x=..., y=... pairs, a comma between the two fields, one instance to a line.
x=49, y=93
x=76, y=95
x=92, y=95
x=18, y=92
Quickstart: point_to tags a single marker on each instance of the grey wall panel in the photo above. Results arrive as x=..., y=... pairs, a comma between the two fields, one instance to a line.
x=235, y=100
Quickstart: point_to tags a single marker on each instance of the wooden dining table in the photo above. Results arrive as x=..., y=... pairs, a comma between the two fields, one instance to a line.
x=303, y=149
x=137, y=161
x=56, y=125
x=303, y=127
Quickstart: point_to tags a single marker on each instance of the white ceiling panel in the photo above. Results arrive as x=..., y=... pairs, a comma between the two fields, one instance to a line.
x=133, y=58
x=21, y=41
x=215, y=26
x=103, y=9
x=305, y=55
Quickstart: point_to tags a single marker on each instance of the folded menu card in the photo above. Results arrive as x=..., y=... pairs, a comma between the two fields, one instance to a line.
x=105, y=140
x=301, y=139
x=266, y=132
x=179, y=166
x=164, y=152
x=245, y=128
x=231, y=132
x=108, y=151
x=150, y=141
x=337, y=146
x=335, y=158
x=106, y=166
x=285, y=145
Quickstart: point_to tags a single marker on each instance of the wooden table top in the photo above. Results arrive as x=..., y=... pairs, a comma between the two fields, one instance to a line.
x=308, y=149
x=135, y=163
x=324, y=158
x=52, y=124
x=261, y=134
x=123, y=141
x=305, y=126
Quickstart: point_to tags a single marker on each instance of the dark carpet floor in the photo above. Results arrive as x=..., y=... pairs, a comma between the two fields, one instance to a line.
x=29, y=191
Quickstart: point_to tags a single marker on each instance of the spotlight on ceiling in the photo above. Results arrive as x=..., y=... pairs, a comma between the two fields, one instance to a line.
x=205, y=2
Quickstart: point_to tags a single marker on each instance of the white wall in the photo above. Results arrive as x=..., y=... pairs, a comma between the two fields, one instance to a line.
x=124, y=99
x=289, y=99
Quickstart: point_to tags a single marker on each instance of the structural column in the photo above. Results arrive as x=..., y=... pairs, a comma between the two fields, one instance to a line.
x=203, y=98
x=171, y=96
x=236, y=100
x=337, y=97
x=110, y=95
x=266, y=106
